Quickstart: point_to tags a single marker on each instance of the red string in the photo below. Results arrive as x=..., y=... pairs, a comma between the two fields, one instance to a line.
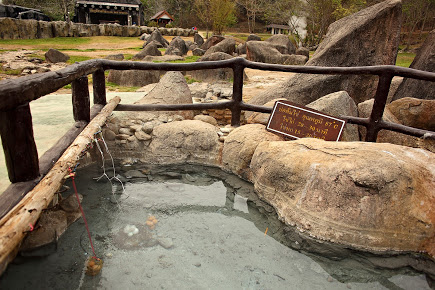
x=83, y=214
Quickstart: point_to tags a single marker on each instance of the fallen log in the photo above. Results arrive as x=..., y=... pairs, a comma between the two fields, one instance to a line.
x=15, y=224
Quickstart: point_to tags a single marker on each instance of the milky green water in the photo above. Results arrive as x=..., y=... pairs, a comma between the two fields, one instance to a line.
x=209, y=234
x=52, y=117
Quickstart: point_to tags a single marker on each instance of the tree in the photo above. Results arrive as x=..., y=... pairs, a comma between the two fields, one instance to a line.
x=253, y=8
x=321, y=13
x=223, y=16
x=202, y=9
x=416, y=13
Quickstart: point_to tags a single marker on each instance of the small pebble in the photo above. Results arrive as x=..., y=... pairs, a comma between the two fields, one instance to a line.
x=197, y=264
x=330, y=279
x=166, y=243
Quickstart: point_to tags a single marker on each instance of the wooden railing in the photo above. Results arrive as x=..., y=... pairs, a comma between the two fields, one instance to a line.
x=24, y=168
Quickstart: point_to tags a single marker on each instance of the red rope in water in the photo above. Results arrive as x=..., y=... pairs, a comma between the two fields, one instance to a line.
x=72, y=174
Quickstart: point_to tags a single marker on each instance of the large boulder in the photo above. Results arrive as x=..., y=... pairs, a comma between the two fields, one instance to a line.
x=424, y=60
x=157, y=36
x=177, y=47
x=172, y=89
x=133, y=78
x=369, y=196
x=253, y=37
x=339, y=104
x=415, y=113
x=386, y=136
x=212, y=41
x=184, y=141
x=240, y=145
x=261, y=51
x=295, y=59
x=282, y=43
x=54, y=56
x=228, y=46
x=368, y=37
x=197, y=38
x=213, y=75
x=149, y=49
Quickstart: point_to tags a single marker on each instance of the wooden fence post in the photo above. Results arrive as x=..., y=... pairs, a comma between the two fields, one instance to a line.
x=80, y=99
x=99, y=86
x=378, y=107
x=236, y=110
x=19, y=145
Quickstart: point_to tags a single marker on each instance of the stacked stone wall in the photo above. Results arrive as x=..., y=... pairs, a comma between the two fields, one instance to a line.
x=11, y=28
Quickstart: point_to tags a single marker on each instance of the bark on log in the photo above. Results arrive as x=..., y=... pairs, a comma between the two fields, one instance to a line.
x=19, y=146
x=15, y=225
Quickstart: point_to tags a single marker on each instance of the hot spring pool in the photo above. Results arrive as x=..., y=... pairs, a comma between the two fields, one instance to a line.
x=208, y=231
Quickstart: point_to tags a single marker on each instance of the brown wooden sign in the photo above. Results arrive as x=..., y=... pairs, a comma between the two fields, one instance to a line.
x=294, y=121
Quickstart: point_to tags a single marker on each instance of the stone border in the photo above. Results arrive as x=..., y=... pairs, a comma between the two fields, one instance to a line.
x=11, y=28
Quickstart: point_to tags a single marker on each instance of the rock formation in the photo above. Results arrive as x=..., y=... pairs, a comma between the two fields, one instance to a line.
x=424, y=60
x=171, y=84
x=133, y=78
x=177, y=47
x=54, y=56
x=368, y=37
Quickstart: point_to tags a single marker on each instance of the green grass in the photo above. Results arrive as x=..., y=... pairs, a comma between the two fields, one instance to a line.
x=12, y=72
x=405, y=59
x=77, y=58
x=187, y=59
x=114, y=87
x=57, y=41
x=191, y=80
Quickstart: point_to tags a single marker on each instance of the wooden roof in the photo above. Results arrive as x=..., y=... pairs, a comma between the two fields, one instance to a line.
x=128, y=2
x=160, y=14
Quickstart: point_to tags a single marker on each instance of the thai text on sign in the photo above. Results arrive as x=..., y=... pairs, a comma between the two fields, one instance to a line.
x=294, y=121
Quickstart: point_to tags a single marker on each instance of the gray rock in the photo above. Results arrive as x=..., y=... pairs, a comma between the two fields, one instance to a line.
x=303, y=51
x=240, y=145
x=213, y=75
x=368, y=37
x=157, y=36
x=126, y=131
x=149, y=49
x=282, y=43
x=148, y=127
x=261, y=51
x=177, y=47
x=134, y=174
x=228, y=46
x=339, y=104
x=118, y=57
x=54, y=56
x=109, y=135
x=417, y=113
x=295, y=59
x=207, y=119
x=241, y=49
x=142, y=136
x=198, y=52
x=253, y=37
x=133, y=78
x=172, y=89
x=184, y=141
x=197, y=38
x=424, y=60
x=212, y=41
x=361, y=204
x=166, y=243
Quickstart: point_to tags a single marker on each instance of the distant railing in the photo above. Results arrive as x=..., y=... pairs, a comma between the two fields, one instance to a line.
x=16, y=121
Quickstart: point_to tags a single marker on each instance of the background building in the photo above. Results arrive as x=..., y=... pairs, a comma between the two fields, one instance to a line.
x=123, y=12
